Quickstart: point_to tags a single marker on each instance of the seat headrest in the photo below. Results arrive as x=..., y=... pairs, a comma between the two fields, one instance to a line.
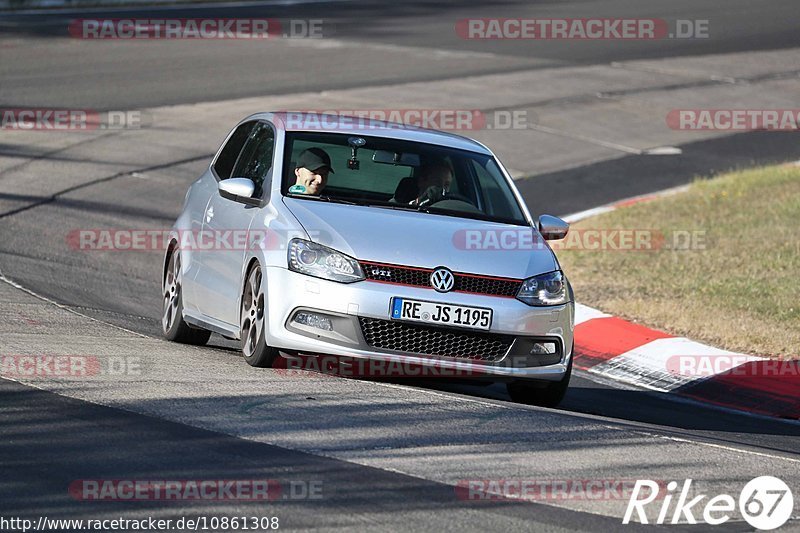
x=406, y=190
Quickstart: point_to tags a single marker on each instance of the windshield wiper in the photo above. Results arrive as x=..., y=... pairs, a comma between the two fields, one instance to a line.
x=335, y=200
x=433, y=210
x=402, y=207
x=323, y=198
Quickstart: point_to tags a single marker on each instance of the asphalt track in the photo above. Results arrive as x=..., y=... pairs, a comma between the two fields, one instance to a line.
x=50, y=440
x=40, y=69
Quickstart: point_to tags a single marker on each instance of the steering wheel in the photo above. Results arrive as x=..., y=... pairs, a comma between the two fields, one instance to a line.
x=454, y=197
x=434, y=195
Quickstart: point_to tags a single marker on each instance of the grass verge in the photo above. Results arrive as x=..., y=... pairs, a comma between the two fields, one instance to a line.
x=722, y=266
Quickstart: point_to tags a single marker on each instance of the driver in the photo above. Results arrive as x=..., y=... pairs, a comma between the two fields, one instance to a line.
x=313, y=166
x=433, y=181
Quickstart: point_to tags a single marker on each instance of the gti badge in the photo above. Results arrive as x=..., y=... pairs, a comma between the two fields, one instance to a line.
x=381, y=273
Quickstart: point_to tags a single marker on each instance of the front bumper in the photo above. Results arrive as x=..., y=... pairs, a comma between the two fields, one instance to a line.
x=287, y=292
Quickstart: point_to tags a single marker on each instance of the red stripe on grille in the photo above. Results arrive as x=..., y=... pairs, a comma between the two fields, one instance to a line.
x=501, y=288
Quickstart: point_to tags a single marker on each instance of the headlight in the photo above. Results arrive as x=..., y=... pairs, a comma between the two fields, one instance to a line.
x=545, y=289
x=320, y=261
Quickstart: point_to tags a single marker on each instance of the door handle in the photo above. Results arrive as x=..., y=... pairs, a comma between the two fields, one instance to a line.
x=209, y=213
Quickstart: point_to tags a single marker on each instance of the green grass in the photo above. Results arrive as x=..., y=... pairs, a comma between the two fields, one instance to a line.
x=740, y=290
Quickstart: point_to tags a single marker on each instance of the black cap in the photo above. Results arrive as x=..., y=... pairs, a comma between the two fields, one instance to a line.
x=314, y=159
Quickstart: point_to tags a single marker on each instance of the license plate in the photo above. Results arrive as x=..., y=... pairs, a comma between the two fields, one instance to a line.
x=444, y=314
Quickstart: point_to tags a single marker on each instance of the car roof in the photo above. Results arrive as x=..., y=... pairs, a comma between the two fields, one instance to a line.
x=327, y=123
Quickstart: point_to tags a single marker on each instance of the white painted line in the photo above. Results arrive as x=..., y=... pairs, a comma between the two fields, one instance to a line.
x=672, y=72
x=430, y=53
x=580, y=215
x=584, y=138
x=664, y=150
x=658, y=194
x=575, y=217
x=724, y=79
x=719, y=446
x=66, y=308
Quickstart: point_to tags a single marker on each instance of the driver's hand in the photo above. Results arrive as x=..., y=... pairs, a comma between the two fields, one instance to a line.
x=431, y=195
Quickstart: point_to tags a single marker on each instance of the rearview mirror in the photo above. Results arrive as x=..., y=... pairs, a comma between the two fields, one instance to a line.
x=395, y=158
x=239, y=190
x=552, y=228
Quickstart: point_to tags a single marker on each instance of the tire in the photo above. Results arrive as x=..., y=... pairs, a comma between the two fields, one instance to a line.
x=547, y=394
x=252, y=319
x=172, y=324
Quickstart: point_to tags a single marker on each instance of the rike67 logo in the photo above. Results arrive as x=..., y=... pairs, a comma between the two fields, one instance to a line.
x=765, y=502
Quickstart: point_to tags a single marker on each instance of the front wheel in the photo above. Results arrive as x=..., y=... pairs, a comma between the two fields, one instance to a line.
x=172, y=323
x=254, y=345
x=542, y=394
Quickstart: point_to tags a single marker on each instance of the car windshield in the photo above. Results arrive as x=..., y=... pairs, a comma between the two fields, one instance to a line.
x=398, y=174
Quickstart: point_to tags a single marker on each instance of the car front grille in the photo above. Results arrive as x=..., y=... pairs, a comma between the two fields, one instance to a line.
x=434, y=341
x=420, y=277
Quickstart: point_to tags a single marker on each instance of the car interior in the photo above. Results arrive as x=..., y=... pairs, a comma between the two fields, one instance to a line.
x=389, y=173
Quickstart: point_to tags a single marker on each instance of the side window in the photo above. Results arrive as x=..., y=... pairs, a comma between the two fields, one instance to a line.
x=227, y=157
x=255, y=160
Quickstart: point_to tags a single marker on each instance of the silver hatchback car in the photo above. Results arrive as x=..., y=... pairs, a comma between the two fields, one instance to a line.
x=312, y=235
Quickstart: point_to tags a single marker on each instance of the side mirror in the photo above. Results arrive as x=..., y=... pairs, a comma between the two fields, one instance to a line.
x=552, y=228
x=239, y=190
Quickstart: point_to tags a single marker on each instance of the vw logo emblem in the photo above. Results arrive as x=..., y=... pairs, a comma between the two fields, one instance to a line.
x=442, y=280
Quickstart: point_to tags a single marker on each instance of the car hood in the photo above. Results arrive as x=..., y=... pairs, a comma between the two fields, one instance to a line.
x=425, y=240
